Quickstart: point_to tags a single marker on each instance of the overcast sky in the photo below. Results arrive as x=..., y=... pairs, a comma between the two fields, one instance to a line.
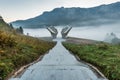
x=12, y=10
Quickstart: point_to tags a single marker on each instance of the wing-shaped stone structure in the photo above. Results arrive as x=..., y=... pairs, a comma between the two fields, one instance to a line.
x=65, y=31
x=53, y=31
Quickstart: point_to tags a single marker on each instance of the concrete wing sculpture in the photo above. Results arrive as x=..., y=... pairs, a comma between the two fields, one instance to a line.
x=65, y=31
x=53, y=31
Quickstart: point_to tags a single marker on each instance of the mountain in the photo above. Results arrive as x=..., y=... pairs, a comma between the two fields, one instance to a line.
x=74, y=16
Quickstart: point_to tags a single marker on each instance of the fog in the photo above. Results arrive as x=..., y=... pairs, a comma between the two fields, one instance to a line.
x=88, y=32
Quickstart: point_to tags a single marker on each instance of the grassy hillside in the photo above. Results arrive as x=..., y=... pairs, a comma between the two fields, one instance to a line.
x=4, y=25
x=105, y=57
x=17, y=50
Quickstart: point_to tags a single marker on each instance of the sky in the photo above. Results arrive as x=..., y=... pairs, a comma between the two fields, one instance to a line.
x=12, y=10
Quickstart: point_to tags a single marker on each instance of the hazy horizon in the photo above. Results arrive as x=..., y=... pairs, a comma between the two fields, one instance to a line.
x=12, y=10
x=86, y=32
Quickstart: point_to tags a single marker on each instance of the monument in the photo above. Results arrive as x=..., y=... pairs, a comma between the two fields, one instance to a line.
x=65, y=31
x=53, y=31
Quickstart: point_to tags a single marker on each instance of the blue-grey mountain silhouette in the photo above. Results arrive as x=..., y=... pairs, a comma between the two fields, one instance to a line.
x=74, y=16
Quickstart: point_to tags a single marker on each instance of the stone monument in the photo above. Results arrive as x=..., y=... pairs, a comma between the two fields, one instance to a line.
x=53, y=31
x=65, y=31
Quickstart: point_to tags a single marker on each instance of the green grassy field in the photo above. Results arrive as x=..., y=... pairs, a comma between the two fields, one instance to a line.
x=17, y=50
x=105, y=57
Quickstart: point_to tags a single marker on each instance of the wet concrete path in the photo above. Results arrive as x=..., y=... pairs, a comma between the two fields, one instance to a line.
x=58, y=64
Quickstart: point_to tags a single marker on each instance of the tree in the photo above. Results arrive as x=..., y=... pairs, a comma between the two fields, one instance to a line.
x=19, y=30
x=11, y=26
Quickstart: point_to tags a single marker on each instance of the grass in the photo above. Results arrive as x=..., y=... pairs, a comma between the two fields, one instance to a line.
x=4, y=26
x=17, y=50
x=105, y=57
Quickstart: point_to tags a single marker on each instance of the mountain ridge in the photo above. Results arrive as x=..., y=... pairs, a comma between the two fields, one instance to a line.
x=74, y=16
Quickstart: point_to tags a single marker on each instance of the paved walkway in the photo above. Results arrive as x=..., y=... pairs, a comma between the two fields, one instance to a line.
x=58, y=64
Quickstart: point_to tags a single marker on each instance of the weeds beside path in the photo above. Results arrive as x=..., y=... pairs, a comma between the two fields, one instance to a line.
x=17, y=50
x=105, y=57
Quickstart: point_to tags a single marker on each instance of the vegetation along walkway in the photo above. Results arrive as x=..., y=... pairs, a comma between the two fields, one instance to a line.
x=59, y=64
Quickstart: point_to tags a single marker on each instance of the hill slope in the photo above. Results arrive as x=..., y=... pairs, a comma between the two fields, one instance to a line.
x=4, y=25
x=17, y=50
